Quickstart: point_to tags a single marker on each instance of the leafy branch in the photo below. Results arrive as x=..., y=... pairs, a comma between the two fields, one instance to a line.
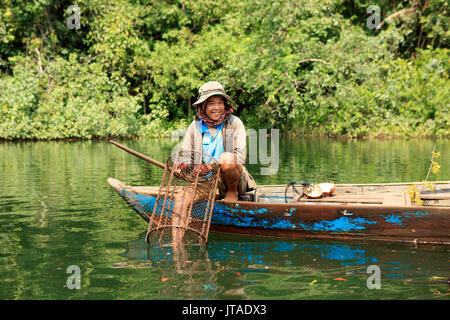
x=434, y=168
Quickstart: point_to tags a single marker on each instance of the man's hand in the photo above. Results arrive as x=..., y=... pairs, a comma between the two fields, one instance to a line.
x=202, y=169
x=179, y=167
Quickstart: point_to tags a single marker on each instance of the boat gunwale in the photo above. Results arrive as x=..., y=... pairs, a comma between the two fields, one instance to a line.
x=118, y=185
x=338, y=209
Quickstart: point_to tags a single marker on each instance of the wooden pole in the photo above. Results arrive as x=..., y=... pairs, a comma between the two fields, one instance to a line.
x=139, y=155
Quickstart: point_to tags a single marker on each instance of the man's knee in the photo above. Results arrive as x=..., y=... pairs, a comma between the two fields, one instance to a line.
x=227, y=158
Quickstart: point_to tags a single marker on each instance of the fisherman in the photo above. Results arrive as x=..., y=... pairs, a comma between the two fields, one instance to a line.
x=221, y=135
x=218, y=133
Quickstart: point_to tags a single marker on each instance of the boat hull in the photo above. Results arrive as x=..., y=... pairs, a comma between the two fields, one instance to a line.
x=355, y=222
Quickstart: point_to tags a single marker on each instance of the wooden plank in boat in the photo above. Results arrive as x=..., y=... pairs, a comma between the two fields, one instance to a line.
x=407, y=198
x=347, y=189
x=441, y=203
x=145, y=189
x=353, y=198
x=441, y=196
x=347, y=194
x=393, y=199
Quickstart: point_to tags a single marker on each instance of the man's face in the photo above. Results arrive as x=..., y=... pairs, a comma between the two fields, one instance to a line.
x=215, y=107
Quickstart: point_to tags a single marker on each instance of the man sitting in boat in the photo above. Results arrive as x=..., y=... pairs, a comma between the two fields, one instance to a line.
x=218, y=133
x=221, y=135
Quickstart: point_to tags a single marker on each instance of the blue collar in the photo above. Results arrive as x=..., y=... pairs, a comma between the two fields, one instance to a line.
x=203, y=127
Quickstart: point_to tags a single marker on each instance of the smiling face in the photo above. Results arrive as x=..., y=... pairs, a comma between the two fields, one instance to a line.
x=215, y=107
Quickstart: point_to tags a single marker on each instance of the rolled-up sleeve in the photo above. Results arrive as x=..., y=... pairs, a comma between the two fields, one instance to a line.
x=236, y=140
x=191, y=146
x=240, y=148
x=188, y=139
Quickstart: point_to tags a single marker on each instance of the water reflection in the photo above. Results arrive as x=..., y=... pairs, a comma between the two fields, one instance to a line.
x=233, y=268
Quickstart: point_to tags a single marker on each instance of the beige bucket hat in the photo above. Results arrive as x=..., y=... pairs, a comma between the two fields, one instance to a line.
x=212, y=88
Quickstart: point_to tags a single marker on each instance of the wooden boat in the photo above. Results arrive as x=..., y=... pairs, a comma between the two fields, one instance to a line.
x=357, y=212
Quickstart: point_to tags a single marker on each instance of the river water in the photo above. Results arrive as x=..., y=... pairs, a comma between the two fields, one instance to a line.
x=57, y=211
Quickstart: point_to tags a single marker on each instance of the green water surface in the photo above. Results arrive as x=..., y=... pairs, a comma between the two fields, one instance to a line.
x=57, y=210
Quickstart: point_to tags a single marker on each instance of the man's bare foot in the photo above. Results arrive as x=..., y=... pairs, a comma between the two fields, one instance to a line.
x=231, y=196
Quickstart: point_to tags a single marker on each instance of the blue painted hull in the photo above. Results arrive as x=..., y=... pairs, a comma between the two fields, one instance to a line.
x=428, y=225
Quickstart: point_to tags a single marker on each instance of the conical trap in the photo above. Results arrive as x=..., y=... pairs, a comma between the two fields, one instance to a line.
x=185, y=200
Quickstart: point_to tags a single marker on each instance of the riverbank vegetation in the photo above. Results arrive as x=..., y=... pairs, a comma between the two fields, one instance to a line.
x=133, y=67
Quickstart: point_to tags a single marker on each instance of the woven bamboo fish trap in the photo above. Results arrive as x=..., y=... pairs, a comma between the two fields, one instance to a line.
x=185, y=200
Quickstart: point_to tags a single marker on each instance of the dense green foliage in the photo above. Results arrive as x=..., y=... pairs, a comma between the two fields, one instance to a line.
x=134, y=66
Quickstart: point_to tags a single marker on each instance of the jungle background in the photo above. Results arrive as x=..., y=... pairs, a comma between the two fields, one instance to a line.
x=132, y=68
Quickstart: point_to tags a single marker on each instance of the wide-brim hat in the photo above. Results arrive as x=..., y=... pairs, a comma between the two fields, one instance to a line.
x=212, y=88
